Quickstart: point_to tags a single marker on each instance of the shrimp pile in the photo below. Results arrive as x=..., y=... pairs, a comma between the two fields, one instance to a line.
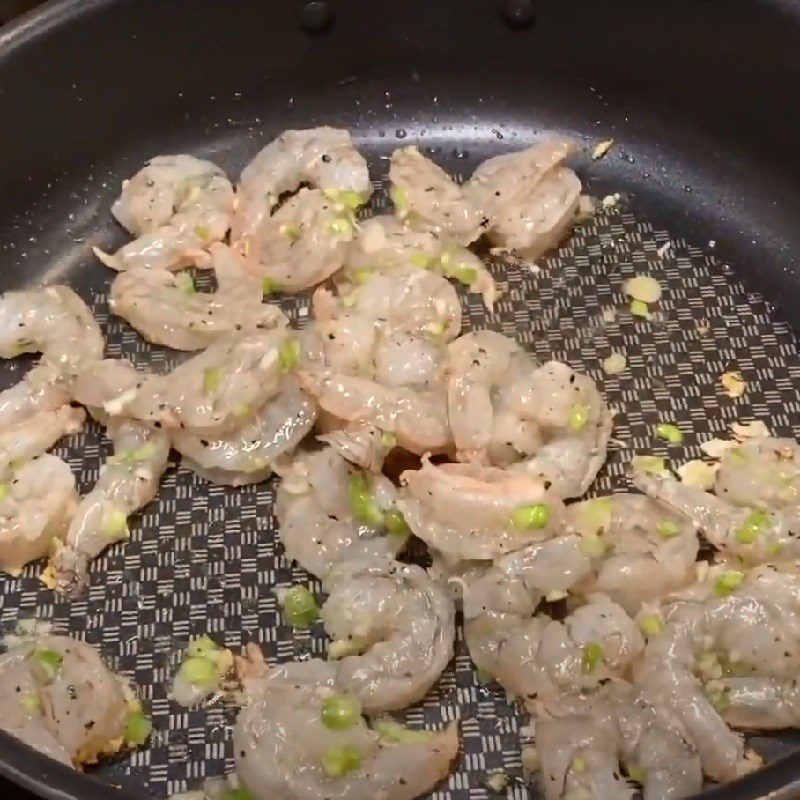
x=638, y=667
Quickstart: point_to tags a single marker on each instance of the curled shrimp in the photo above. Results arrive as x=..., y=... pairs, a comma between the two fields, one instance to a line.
x=176, y=206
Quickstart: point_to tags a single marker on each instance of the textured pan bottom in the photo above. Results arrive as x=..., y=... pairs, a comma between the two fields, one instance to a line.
x=205, y=559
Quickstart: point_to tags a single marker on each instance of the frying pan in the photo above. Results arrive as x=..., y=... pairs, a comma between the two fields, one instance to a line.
x=704, y=188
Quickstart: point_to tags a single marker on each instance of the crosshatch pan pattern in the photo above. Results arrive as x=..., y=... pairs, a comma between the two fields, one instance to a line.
x=205, y=559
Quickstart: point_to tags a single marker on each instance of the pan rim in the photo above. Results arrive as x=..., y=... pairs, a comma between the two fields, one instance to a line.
x=46, y=778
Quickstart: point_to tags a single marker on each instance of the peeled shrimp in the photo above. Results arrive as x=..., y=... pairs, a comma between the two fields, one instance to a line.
x=214, y=390
x=401, y=622
x=166, y=309
x=304, y=242
x=361, y=444
x=535, y=657
x=323, y=157
x=641, y=551
x=425, y=196
x=74, y=709
x=176, y=205
x=384, y=244
x=40, y=390
x=757, y=534
x=583, y=741
x=281, y=744
x=319, y=525
x=465, y=511
x=248, y=455
x=530, y=197
x=36, y=506
x=35, y=435
x=53, y=321
x=128, y=481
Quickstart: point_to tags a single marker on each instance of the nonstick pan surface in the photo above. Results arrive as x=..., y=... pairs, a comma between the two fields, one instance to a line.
x=700, y=98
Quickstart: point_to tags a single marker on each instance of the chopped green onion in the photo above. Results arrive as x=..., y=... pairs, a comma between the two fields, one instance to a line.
x=396, y=523
x=341, y=227
x=639, y=309
x=419, y=260
x=591, y=657
x=338, y=761
x=436, y=328
x=577, y=417
x=392, y=732
x=399, y=198
x=115, y=524
x=185, y=282
x=643, y=288
x=341, y=648
x=578, y=764
x=363, y=505
x=45, y=664
x=199, y=671
x=268, y=286
x=291, y=232
x=755, y=524
x=346, y=198
x=483, y=676
x=531, y=517
x=672, y=433
x=361, y=276
x=138, y=728
x=340, y=712
x=289, y=355
x=597, y=513
x=459, y=272
x=668, y=529
x=388, y=439
x=720, y=700
x=212, y=379
x=736, y=454
x=238, y=793
x=592, y=546
x=203, y=233
x=637, y=774
x=728, y=582
x=773, y=549
x=30, y=704
x=3, y=491
x=652, y=465
x=243, y=411
x=201, y=646
x=300, y=607
x=651, y=624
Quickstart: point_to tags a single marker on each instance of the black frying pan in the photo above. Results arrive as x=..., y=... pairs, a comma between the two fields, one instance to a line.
x=701, y=96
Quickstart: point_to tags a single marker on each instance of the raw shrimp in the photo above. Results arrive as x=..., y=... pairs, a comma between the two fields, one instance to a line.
x=128, y=481
x=166, y=309
x=329, y=512
x=535, y=658
x=61, y=699
x=548, y=420
x=468, y=511
x=641, y=551
x=248, y=455
x=105, y=386
x=530, y=197
x=425, y=196
x=375, y=354
x=361, y=444
x=384, y=244
x=285, y=749
x=323, y=157
x=756, y=534
x=304, y=242
x=732, y=626
x=582, y=742
x=176, y=205
x=36, y=506
x=214, y=390
x=42, y=389
x=35, y=435
x=53, y=321
x=399, y=621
